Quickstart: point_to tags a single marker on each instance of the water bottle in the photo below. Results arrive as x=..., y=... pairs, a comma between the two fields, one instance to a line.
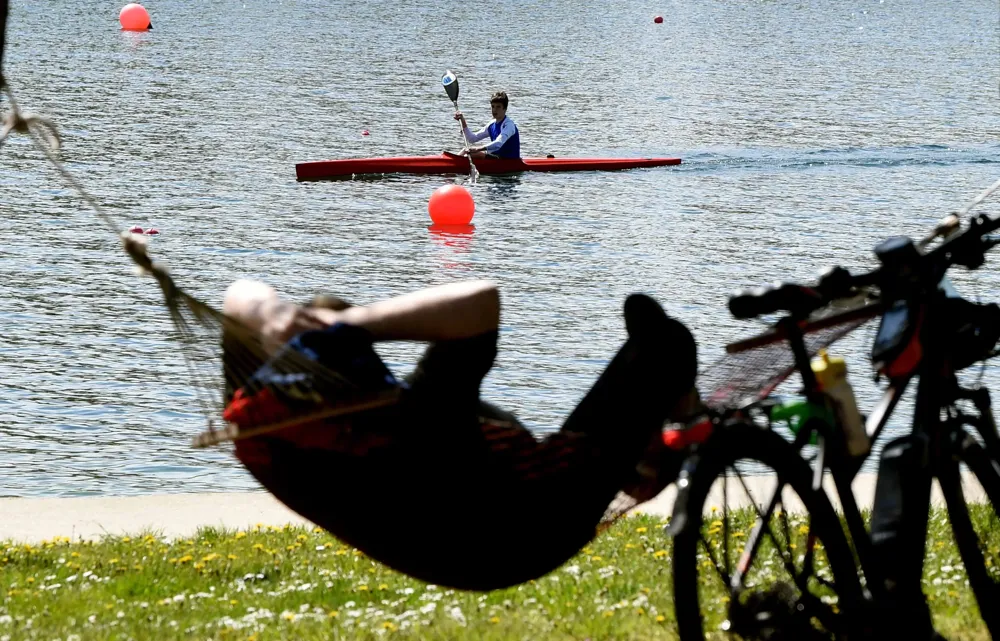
x=831, y=375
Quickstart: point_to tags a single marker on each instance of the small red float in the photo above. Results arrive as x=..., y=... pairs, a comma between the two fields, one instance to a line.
x=658, y=19
x=365, y=133
x=152, y=232
x=134, y=17
x=136, y=230
x=451, y=205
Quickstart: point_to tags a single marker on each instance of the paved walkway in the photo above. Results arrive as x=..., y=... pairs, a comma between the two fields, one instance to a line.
x=30, y=519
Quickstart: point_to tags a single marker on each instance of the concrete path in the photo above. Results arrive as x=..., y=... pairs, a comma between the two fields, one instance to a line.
x=174, y=515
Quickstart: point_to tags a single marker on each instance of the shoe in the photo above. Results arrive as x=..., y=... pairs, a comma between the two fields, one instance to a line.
x=651, y=327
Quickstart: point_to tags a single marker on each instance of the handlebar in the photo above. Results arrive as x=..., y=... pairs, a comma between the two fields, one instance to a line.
x=904, y=268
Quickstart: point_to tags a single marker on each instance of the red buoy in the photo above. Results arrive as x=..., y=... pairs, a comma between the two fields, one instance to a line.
x=134, y=17
x=364, y=133
x=658, y=19
x=152, y=232
x=136, y=230
x=451, y=205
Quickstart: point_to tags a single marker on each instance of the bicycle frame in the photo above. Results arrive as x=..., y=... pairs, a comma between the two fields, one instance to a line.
x=891, y=555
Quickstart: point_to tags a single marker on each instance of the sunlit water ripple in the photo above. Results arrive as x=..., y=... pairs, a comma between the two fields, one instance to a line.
x=808, y=130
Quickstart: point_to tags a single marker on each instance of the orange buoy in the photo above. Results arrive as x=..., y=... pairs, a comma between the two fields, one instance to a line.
x=451, y=205
x=134, y=17
x=658, y=19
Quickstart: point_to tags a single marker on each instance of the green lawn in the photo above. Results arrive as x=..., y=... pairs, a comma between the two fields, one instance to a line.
x=288, y=583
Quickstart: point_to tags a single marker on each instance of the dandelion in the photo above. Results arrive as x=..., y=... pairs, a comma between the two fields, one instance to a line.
x=494, y=619
x=30, y=579
x=233, y=602
x=640, y=530
x=595, y=558
x=288, y=616
x=659, y=554
x=317, y=530
x=184, y=559
x=629, y=546
x=362, y=588
x=609, y=613
x=113, y=561
x=333, y=614
x=390, y=626
x=209, y=557
x=383, y=586
x=660, y=618
x=301, y=537
x=240, y=535
x=640, y=611
x=231, y=557
x=126, y=540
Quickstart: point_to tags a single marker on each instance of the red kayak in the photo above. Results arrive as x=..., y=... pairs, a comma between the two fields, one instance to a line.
x=454, y=164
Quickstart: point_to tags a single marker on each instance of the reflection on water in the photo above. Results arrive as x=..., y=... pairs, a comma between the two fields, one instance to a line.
x=455, y=241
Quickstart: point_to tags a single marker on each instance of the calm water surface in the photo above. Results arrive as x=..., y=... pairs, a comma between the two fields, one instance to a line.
x=809, y=130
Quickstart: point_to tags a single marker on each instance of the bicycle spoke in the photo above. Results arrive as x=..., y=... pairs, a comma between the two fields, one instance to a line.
x=720, y=571
x=725, y=521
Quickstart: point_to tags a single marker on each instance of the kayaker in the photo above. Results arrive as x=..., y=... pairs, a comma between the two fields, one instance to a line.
x=505, y=142
x=471, y=484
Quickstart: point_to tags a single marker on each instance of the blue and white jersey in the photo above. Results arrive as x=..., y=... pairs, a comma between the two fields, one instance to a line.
x=506, y=141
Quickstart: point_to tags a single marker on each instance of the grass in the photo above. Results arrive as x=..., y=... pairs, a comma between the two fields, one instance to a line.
x=292, y=583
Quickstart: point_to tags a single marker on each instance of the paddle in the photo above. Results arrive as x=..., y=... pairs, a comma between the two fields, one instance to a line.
x=450, y=82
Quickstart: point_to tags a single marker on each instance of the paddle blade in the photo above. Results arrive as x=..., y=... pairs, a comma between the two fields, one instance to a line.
x=450, y=82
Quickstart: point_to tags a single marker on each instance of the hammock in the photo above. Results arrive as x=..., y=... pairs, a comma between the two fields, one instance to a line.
x=475, y=509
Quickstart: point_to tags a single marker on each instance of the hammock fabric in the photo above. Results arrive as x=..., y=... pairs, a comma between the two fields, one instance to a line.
x=441, y=485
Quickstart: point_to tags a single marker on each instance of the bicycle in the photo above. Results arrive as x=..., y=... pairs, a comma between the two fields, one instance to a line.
x=926, y=333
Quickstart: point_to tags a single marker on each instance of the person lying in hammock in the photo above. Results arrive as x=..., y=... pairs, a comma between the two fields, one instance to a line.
x=441, y=485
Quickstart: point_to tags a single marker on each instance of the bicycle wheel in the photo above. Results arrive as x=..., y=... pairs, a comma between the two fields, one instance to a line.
x=976, y=534
x=728, y=573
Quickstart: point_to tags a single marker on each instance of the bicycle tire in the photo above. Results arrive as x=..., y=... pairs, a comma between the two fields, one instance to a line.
x=726, y=447
x=986, y=470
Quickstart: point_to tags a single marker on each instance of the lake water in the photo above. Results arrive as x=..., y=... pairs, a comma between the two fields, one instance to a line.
x=809, y=130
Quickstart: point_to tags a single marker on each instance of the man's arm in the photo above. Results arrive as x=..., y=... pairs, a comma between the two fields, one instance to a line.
x=446, y=312
x=471, y=136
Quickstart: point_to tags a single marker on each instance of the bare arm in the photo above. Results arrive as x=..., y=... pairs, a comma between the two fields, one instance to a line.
x=446, y=312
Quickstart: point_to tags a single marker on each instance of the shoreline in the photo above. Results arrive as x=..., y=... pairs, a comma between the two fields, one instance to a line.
x=29, y=520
